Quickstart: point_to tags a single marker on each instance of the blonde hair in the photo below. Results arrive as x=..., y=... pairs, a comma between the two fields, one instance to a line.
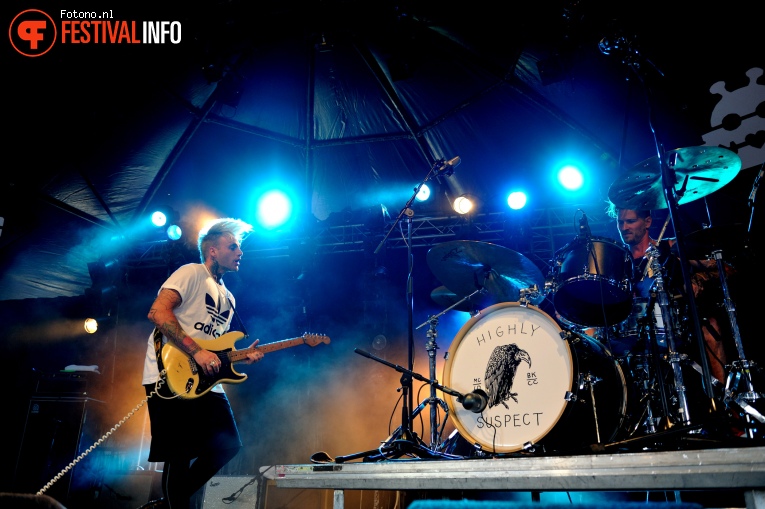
x=210, y=234
x=612, y=211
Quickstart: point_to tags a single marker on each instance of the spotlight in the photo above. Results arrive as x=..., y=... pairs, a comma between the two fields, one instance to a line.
x=91, y=325
x=174, y=232
x=424, y=193
x=571, y=178
x=274, y=209
x=516, y=200
x=167, y=219
x=463, y=204
x=159, y=219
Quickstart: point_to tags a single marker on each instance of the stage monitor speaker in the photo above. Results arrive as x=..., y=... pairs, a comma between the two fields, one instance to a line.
x=56, y=432
x=231, y=492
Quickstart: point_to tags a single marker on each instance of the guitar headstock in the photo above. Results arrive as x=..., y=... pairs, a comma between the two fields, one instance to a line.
x=315, y=339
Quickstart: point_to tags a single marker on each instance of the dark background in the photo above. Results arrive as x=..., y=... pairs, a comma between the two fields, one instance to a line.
x=351, y=105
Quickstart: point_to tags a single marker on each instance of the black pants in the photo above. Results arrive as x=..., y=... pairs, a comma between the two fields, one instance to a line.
x=194, y=438
x=182, y=478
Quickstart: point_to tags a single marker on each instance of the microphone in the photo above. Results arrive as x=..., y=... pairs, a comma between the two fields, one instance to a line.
x=447, y=168
x=584, y=226
x=475, y=401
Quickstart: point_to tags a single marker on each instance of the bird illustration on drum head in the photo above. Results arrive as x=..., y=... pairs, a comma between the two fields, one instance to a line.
x=500, y=373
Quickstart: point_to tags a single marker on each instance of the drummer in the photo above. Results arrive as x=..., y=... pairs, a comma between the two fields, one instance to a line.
x=633, y=226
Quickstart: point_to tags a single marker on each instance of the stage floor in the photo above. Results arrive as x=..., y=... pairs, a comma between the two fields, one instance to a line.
x=739, y=468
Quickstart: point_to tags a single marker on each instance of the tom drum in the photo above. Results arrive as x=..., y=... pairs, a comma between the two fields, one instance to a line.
x=593, y=282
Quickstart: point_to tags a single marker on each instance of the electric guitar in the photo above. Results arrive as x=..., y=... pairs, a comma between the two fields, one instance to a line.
x=188, y=381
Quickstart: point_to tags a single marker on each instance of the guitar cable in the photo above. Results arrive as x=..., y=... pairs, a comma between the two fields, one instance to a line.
x=106, y=435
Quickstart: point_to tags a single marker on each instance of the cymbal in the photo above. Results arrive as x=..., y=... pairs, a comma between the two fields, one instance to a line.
x=447, y=298
x=729, y=239
x=465, y=266
x=706, y=168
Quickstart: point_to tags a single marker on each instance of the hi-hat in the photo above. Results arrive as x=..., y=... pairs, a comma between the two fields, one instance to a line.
x=464, y=266
x=707, y=169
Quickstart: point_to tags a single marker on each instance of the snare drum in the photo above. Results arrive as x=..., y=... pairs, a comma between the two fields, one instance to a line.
x=543, y=386
x=592, y=281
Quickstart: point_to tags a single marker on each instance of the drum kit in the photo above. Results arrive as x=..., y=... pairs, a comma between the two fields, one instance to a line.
x=605, y=371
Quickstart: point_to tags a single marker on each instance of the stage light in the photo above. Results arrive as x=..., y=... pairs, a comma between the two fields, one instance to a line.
x=571, y=178
x=423, y=194
x=174, y=232
x=91, y=325
x=274, y=209
x=463, y=204
x=167, y=219
x=159, y=219
x=516, y=200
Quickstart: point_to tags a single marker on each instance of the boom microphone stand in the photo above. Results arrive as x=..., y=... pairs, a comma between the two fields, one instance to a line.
x=404, y=441
x=475, y=401
x=631, y=55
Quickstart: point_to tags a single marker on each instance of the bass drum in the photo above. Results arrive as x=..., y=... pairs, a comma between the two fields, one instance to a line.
x=543, y=386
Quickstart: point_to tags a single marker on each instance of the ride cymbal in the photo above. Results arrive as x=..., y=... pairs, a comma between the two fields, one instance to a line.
x=464, y=266
x=706, y=169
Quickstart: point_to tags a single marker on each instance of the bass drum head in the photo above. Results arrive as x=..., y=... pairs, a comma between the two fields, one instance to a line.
x=561, y=391
x=517, y=356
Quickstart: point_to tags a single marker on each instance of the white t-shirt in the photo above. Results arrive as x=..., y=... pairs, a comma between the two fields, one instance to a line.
x=204, y=313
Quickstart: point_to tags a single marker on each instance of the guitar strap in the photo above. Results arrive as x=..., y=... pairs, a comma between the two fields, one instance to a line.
x=238, y=318
x=157, y=335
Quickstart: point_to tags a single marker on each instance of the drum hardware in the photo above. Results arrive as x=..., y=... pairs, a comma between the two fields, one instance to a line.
x=588, y=381
x=740, y=377
x=739, y=386
x=431, y=347
x=652, y=185
x=674, y=358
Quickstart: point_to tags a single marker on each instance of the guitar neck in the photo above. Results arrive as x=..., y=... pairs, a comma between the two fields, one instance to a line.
x=240, y=355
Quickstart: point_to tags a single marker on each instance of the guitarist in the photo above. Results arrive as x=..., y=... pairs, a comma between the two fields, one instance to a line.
x=194, y=438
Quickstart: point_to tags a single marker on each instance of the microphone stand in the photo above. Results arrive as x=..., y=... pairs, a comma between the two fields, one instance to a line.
x=633, y=61
x=392, y=450
x=408, y=443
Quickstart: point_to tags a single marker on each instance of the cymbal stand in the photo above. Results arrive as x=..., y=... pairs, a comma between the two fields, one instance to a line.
x=432, y=347
x=672, y=196
x=740, y=374
x=673, y=355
